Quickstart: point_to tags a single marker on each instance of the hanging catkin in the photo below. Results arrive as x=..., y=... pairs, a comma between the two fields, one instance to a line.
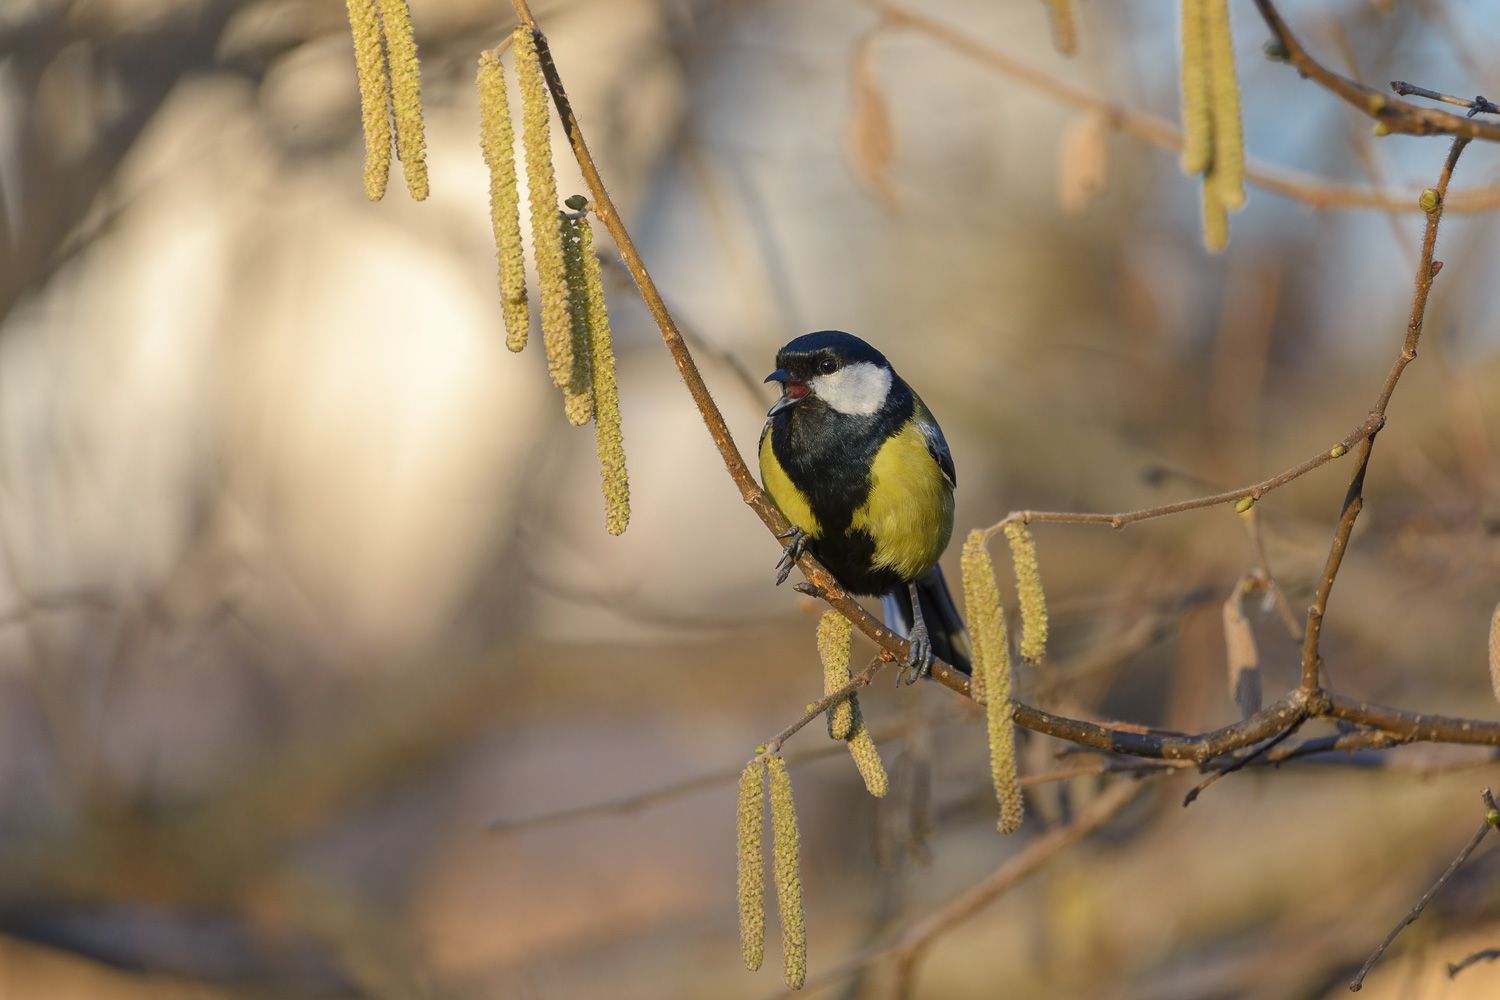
x=497, y=140
x=374, y=94
x=406, y=94
x=752, y=864
x=546, y=228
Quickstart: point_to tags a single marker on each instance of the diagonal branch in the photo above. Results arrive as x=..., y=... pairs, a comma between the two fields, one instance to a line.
x=1490, y=821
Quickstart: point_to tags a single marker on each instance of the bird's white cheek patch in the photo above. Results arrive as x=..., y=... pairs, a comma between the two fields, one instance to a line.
x=858, y=389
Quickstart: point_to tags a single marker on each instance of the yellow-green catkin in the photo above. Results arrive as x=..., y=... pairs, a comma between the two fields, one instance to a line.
x=374, y=94
x=785, y=853
x=845, y=720
x=406, y=94
x=1002, y=734
x=982, y=603
x=866, y=756
x=1197, y=109
x=1215, y=219
x=497, y=140
x=1495, y=652
x=609, y=435
x=1032, y=598
x=546, y=233
x=578, y=391
x=752, y=864
x=833, y=652
x=992, y=662
x=1213, y=140
x=1228, y=173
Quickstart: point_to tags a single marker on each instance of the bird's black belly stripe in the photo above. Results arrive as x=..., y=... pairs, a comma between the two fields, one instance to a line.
x=827, y=455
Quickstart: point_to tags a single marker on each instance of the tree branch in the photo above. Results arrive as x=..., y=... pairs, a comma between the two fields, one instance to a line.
x=1396, y=116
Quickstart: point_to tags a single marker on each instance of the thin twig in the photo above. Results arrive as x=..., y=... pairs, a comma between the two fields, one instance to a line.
x=1241, y=762
x=1266, y=580
x=1487, y=955
x=1479, y=105
x=1490, y=821
x=817, y=708
x=1254, y=491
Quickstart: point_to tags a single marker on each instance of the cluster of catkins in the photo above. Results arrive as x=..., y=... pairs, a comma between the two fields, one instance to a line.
x=575, y=323
x=990, y=686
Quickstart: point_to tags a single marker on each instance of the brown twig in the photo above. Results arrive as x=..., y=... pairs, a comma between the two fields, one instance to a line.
x=817, y=708
x=1490, y=821
x=1395, y=116
x=1254, y=491
x=1240, y=763
x=1479, y=105
x=1266, y=580
x=1486, y=955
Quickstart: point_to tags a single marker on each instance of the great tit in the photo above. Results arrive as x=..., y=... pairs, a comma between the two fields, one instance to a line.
x=859, y=466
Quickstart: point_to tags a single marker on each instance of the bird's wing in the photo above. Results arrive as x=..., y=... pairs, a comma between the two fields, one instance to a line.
x=937, y=445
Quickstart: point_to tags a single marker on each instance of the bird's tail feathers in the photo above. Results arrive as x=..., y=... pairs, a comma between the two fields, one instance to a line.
x=945, y=628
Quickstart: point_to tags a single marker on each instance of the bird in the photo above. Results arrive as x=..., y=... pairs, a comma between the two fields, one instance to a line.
x=857, y=463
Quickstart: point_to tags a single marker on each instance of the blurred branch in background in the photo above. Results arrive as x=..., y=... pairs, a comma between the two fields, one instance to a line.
x=86, y=88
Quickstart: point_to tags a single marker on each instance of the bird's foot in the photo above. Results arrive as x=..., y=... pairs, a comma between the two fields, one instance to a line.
x=918, y=661
x=795, y=546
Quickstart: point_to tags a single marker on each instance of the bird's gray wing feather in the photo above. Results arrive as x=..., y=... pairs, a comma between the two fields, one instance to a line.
x=937, y=445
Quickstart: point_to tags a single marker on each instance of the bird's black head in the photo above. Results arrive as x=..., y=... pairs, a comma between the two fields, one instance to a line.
x=838, y=369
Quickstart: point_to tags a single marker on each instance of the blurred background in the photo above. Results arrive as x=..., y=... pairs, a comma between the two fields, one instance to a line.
x=309, y=626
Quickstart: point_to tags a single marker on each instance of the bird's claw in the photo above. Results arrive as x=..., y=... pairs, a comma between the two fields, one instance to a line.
x=918, y=663
x=796, y=545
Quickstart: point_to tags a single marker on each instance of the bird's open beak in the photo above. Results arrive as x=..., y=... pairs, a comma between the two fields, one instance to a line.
x=792, y=391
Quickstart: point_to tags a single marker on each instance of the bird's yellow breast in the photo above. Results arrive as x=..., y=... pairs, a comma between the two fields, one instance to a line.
x=791, y=500
x=909, y=510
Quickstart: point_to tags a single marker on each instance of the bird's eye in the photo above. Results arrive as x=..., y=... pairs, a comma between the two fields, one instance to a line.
x=828, y=366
